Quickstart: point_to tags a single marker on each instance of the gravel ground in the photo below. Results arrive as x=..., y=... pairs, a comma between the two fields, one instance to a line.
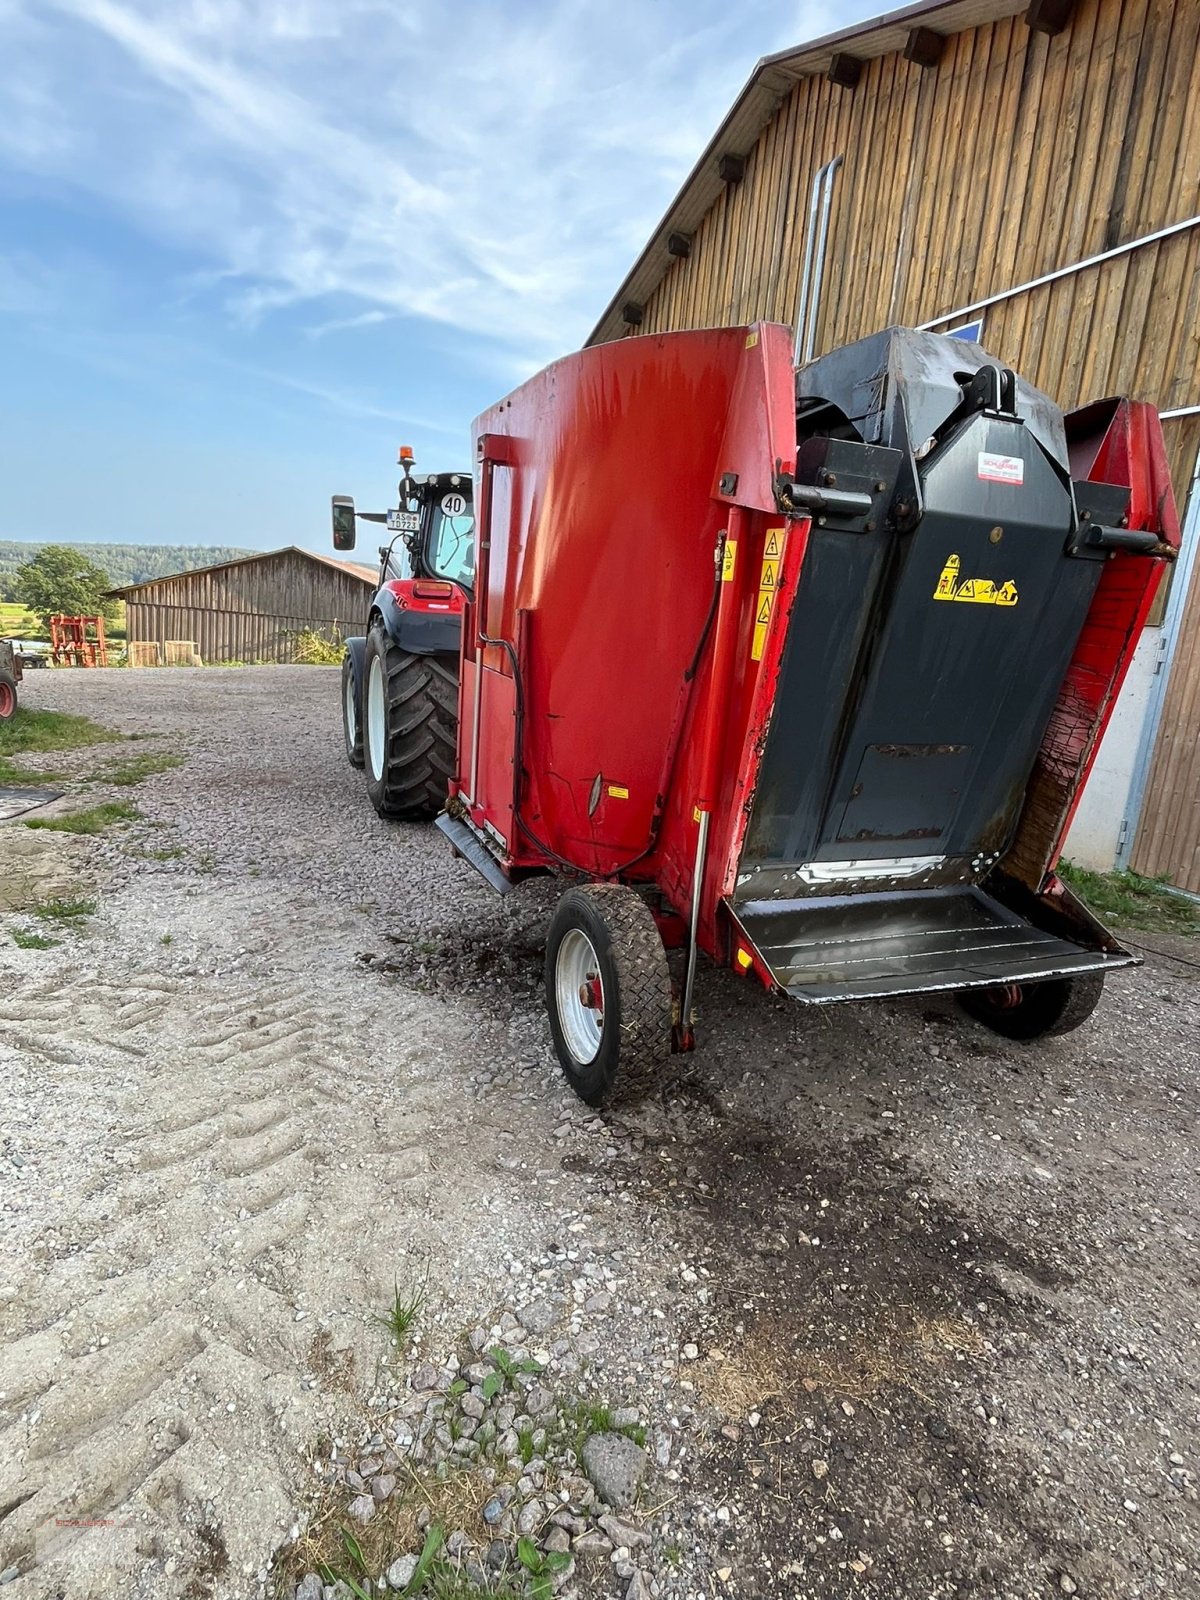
x=875, y=1303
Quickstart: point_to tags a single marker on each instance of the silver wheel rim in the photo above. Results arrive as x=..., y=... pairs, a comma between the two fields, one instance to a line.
x=351, y=710
x=578, y=987
x=376, y=721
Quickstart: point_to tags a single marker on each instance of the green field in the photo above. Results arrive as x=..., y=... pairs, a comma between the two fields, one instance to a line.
x=16, y=622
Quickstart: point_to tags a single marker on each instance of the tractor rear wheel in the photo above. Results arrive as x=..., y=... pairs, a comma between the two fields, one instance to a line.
x=608, y=989
x=1035, y=1010
x=352, y=713
x=409, y=727
x=8, y=697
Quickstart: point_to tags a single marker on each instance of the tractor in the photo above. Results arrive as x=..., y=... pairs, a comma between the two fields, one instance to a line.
x=400, y=679
x=10, y=677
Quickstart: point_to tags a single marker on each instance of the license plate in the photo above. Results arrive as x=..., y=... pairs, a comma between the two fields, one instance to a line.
x=404, y=521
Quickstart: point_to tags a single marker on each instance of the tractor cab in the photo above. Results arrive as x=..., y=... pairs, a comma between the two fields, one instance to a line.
x=432, y=527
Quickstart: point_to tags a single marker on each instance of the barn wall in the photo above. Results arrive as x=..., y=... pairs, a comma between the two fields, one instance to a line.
x=249, y=611
x=1017, y=154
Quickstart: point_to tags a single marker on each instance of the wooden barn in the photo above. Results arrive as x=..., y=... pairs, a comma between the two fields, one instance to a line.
x=247, y=610
x=1021, y=172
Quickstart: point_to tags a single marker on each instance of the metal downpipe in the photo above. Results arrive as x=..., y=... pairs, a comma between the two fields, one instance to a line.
x=819, y=265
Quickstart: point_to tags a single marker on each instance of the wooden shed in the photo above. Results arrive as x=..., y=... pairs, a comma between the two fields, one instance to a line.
x=1026, y=174
x=251, y=609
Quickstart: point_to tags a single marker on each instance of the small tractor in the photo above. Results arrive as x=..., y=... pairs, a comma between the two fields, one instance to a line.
x=10, y=677
x=400, y=680
x=801, y=671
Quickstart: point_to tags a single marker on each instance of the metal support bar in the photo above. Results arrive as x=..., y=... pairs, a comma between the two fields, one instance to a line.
x=1062, y=272
x=819, y=266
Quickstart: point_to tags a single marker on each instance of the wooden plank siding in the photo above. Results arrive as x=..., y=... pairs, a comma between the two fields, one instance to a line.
x=1016, y=155
x=249, y=610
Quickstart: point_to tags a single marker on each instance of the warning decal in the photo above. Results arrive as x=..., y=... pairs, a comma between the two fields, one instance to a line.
x=618, y=791
x=972, y=591
x=768, y=583
x=1001, y=469
x=728, y=560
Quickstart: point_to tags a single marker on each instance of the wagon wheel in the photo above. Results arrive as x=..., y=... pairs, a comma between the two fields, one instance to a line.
x=1035, y=1010
x=8, y=696
x=608, y=989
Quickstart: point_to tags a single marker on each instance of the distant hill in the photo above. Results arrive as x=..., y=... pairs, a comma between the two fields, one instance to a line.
x=124, y=563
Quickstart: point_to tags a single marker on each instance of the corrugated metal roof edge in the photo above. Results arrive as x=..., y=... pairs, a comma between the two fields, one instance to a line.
x=767, y=87
x=367, y=574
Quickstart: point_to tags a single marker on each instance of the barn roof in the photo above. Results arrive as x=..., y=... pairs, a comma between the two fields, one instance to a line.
x=769, y=85
x=368, y=575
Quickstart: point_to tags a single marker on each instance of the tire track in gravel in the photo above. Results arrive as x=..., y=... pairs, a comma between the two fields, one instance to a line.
x=158, y=1331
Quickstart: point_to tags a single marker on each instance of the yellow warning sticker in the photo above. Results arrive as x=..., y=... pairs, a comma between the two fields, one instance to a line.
x=774, y=546
x=770, y=575
x=618, y=791
x=728, y=560
x=751, y=340
x=762, y=618
x=972, y=591
x=744, y=959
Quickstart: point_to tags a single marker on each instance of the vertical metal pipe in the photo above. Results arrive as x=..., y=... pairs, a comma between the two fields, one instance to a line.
x=479, y=608
x=818, y=275
x=814, y=203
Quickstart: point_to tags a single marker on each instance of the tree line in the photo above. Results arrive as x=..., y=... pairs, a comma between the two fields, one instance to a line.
x=118, y=564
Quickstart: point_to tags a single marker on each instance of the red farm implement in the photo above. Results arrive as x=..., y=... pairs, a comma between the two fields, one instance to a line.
x=801, y=671
x=78, y=642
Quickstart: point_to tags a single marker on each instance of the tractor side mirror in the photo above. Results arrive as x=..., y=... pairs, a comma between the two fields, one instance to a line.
x=344, y=531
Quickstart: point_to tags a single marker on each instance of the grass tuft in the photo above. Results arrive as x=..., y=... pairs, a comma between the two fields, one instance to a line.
x=33, y=941
x=96, y=819
x=403, y=1312
x=125, y=774
x=64, y=910
x=33, y=732
x=1128, y=899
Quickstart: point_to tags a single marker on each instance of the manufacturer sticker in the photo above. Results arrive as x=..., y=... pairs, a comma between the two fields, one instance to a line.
x=951, y=585
x=618, y=791
x=1001, y=469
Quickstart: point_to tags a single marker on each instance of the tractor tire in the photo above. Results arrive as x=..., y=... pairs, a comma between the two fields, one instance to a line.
x=410, y=727
x=1029, y=1011
x=608, y=989
x=8, y=697
x=352, y=731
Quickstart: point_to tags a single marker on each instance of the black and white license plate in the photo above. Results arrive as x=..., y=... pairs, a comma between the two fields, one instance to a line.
x=404, y=521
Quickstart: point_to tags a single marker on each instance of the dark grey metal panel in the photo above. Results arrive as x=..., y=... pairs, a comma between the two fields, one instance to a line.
x=857, y=947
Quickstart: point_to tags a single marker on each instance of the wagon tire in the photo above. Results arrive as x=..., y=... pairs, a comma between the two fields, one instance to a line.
x=8, y=697
x=608, y=990
x=409, y=727
x=1029, y=1011
x=352, y=713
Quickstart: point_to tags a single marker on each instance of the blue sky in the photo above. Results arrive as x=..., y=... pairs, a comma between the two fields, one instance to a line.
x=247, y=247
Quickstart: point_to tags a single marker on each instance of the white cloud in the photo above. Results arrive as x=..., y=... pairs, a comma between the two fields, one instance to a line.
x=490, y=168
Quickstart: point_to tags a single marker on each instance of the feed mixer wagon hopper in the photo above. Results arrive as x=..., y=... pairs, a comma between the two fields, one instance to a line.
x=799, y=671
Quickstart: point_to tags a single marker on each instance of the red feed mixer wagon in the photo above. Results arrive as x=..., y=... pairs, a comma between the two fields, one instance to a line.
x=801, y=671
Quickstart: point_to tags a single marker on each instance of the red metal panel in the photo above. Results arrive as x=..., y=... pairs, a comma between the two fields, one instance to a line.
x=600, y=578
x=1117, y=442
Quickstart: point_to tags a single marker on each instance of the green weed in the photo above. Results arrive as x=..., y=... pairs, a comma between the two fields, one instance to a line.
x=173, y=854
x=403, y=1312
x=506, y=1370
x=31, y=732
x=1128, y=899
x=64, y=910
x=96, y=819
x=125, y=774
x=167, y=938
x=542, y=1567
x=33, y=941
